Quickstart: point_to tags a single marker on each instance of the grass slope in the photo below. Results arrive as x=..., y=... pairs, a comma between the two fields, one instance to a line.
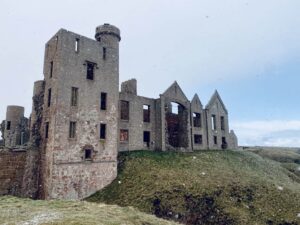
x=28, y=212
x=207, y=187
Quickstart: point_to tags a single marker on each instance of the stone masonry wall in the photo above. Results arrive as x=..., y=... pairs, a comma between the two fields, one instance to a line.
x=12, y=166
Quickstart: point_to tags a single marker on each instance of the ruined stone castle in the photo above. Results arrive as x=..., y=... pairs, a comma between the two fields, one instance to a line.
x=80, y=120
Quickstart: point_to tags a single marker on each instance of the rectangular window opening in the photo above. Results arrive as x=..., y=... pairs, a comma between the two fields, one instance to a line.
x=215, y=140
x=213, y=122
x=197, y=119
x=102, y=131
x=74, y=96
x=8, y=124
x=51, y=69
x=124, y=135
x=224, y=143
x=77, y=45
x=146, y=113
x=198, y=139
x=147, y=138
x=47, y=130
x=124, y=110
x=49, y=97
x=90, y=71
x=104, y=53
x=103, y=101
x=222, y=123
x=88, y=154
x=72, y=129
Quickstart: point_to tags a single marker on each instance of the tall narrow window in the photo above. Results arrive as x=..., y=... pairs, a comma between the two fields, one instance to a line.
x=49, y=97
x=51, y=69
x=102, y=131
x=215, y=140
x=104, y=53
x=72, y=129
x=146, y=113
x=74, y=96
x=8, y=124
x=77, y=45
x=90, y=71
x=197, y=119
x=124, y=110
x=123, y=135
x=224, y=143
x=147, y=138
x=198, y=139
x=103, y=101
x=47, y=130
x=222, y=123
x=213, y=122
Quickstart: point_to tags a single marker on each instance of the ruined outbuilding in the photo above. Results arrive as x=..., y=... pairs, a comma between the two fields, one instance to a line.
x=80, y=121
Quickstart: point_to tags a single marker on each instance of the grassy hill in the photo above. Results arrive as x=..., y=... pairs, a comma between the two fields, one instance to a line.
x=28, y=212
x=207, y=187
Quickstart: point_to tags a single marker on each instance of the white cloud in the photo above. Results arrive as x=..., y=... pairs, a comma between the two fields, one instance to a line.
x=285, y=133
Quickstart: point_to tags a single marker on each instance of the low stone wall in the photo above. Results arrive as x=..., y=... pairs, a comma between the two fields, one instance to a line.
x=12, y=164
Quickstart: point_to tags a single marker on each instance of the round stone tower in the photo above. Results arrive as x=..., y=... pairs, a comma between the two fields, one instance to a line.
x=12, y=132
x=108, y=34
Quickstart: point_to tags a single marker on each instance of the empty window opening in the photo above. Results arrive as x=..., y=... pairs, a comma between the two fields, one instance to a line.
x=51, y=69
x=72, y=129
x=147, y=138
x=174, y=108
x=124, y=135
x=146, y=113
x=197, y=119
x=213, y=122
x=198, y=139
x=177, y=125
x=124, y=110
x=222, y=123
x=49, y=97
x=215, y=140
x=103, y=101
x=224, y=143
x=8, y=125
x=47, y=130
x=74, y=96
x=104, y=53
x=102, y=131
x=77, y=45
x=90, y=71
x=88, y=154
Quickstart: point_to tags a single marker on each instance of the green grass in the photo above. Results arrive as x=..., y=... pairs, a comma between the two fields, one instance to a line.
x=25, y=211
x=207, y=187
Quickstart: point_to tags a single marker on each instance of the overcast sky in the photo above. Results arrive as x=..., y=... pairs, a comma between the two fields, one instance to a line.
x=247, y=49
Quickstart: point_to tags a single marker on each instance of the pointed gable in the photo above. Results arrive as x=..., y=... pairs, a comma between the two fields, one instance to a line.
x=215, y=98
x=175, y=92
x=196, y=101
